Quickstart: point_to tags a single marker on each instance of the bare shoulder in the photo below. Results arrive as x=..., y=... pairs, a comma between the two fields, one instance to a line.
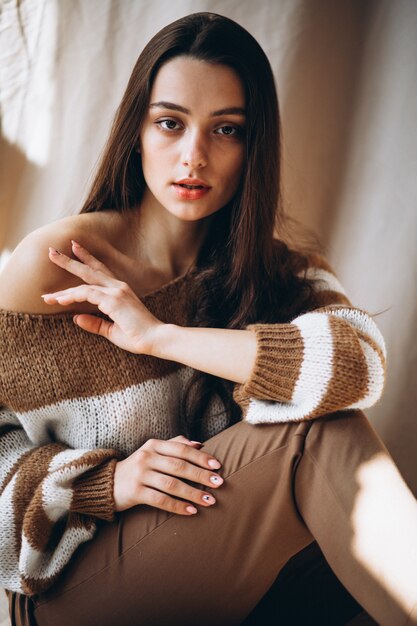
x=29, y=273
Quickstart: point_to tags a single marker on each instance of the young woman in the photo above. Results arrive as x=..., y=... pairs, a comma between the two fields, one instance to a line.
x=184, y=320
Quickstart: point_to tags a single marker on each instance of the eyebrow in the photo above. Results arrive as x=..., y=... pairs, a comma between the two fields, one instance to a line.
x=162, y=104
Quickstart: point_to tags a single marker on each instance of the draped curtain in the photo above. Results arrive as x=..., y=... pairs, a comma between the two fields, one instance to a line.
x=346, y=74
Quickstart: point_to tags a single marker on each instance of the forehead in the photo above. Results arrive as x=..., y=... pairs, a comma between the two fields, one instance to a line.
x=198, y=84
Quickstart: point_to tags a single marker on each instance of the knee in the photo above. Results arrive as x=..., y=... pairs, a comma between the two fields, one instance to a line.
x=343, y=438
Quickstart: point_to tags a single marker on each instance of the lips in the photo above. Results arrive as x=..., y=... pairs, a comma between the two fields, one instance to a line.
x=192, y=183
x=190, y=189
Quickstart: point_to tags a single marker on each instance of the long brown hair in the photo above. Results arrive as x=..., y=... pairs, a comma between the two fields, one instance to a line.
x=246, y=275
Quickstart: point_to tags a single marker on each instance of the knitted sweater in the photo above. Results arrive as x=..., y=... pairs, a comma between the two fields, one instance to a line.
x=72, y=404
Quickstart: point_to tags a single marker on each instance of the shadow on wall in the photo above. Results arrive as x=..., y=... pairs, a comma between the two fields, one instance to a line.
x=318, y=108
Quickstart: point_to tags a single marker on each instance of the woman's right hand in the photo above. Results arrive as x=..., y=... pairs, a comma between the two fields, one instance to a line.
x=152, y=474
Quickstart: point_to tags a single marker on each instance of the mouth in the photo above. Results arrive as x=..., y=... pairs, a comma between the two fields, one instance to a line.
x=189, y=191
x=191, y=186
x=191, y=183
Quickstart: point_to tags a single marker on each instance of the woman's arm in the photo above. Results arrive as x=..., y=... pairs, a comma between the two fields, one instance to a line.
x=56, y=474
x=329, y=359
x=229, y=354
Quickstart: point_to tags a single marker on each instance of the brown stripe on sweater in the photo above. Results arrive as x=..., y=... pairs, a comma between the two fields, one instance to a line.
x=279, y=356
x=349, y=381
x=44, y=536
x=360, y=334
x=373, y=345
x=97, y=366
x=242, y=398
x=39, y=344
x=31, y=470
x=37, y=527
x=33, y=585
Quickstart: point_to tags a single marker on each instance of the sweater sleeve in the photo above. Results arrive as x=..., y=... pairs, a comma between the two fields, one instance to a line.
x=50, y=496
x=328, y=359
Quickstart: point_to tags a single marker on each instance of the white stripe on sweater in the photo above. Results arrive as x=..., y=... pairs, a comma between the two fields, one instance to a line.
x=363, y=322
x=9, y=572
x=120, y=419
x=317, y=365
x=57, y=490
x=13, y=445
x=326, y=280
x=313, y=380
x=38, y=565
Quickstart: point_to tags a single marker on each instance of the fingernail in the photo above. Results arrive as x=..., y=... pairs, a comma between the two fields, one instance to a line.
x=214, y=464
x=53, y=251
x=209, y=499
x=217, y=480
x=75, y=244
x=75, y=318
x=191, y=509
x=199, y=442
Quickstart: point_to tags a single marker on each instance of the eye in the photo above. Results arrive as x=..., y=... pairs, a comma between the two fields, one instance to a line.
x=170, y=124
x=230, y=131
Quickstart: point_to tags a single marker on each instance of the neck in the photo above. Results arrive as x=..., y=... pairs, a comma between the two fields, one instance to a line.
x=166, y=243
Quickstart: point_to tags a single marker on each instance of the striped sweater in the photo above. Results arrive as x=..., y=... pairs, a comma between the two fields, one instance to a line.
x=72, y=404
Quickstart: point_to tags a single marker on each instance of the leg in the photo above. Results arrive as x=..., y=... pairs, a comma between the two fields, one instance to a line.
x=355, y=503
x=153, y=567
x=306, y=591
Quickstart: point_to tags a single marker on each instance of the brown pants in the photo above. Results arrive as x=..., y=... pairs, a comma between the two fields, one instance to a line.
x=285, y=486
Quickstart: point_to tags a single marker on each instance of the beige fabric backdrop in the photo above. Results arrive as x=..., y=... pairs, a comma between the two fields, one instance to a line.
x=346, y=74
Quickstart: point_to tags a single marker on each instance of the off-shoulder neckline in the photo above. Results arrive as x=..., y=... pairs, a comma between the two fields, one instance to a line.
x=166, y=287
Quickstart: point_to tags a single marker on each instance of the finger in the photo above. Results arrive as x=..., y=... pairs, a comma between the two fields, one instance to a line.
x=183, y=469
x=182, y=451
x=188, y=442
x=93, y=324
x=173, y=487
x=164, y=502
x=83, y=271
x=88, y=259
x=82, y=293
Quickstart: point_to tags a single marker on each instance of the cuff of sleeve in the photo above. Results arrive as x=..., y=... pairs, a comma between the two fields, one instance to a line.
x=93, y=492
x=279, y=356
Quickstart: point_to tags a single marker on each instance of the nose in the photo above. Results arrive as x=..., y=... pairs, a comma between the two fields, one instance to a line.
x=194, y=153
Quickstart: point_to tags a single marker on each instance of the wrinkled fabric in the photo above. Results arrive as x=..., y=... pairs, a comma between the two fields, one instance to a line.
x=346, y=78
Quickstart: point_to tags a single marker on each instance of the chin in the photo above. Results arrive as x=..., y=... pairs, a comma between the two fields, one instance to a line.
x=192, y=214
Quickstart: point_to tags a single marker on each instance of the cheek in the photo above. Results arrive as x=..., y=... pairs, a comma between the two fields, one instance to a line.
x=153, y=146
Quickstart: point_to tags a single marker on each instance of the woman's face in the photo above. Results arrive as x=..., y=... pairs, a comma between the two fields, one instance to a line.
x=193, y=132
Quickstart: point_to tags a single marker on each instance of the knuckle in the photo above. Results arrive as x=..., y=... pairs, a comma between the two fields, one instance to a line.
x=178, y=465
x=122, y=287
x=142, y=453
x=170, y=483
x=159, y=499
x=202, y=476
x=178, y=507
x=142, y=460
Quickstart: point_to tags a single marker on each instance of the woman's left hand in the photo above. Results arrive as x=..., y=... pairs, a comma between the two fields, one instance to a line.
x=133, y=326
